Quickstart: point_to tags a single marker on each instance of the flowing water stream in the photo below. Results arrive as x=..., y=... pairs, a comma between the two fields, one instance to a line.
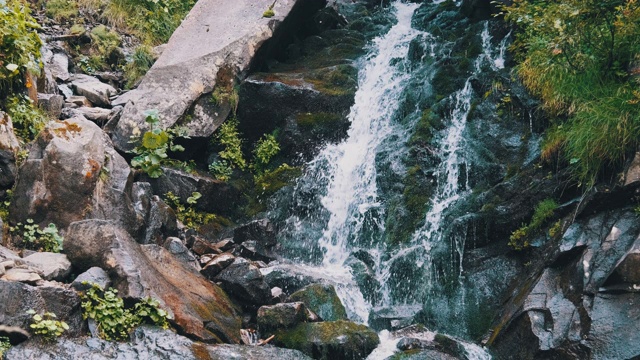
x=339, y=209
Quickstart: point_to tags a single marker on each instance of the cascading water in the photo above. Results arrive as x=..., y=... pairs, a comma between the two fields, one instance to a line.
x=344, y=179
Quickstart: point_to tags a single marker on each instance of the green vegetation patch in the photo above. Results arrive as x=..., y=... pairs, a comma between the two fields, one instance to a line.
x=544, y=211
x=61, y=10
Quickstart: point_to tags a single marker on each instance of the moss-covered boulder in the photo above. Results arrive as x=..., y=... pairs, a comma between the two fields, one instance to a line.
x=323, y=300
x=335, y=340
x=280, y=316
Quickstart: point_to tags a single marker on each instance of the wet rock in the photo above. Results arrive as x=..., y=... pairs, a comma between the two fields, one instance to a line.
x=146, y=342
x=396, y=317
x=139, y=271
x=51, y=103
x=244, y=281
x=629, y=268
x=362, y=267
x=216, y=265
x=54, y=266
x=289, y=278
x=217, y=196
x=615, y=326
x=280, y=316
x=17, y=298
x=94, y=275
x=256, y=251
x=96, y=91
x=261, y=230
x=323, y=300
x=231, y=49
x=96, y=114
x=73, y=173
x=335, y=340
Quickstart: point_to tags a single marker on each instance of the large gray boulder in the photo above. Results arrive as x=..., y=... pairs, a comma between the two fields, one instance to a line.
x=216, y=43
x=146, y=342
x=54, y=266
x=199, y=308
x=17, y=298
x=73, y=173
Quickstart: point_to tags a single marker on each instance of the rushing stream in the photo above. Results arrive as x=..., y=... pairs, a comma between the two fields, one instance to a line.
x=337, y=212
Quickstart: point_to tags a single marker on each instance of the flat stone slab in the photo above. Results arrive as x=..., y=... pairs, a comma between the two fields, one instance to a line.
x=216, y=35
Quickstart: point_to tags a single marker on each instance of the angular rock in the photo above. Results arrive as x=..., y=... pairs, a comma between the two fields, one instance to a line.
x=244, y=281
x=158, y=218
x=200, y=59
x=17, y=298
x=58, y=64
x=96, y=114
x=180, y=252
x=323, y=300
x=65, y=91
x=24, y=275
x=8, y=139
x=54, y=266
x=615, y=326
x=93, y=89
x=94, y=275
x=216, y=265
x=289, y=278
x=256, y=251
x=396, y=317
x=51, y=103
x=73, y=173
x=280, y=316
x=261, y=230
x=201, y=246
x=225, y=245
x=335, y=340
x=79, y=101
x=200, y=308
x=6, y=254
x=146, y=342
x=629, y=268
x=9, y=145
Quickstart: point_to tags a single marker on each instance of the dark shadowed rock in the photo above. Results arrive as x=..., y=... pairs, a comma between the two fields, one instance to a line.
x=73, y=173
x=17, y=298
x=200, y=308
x=146, y=342
x=334, y=340
x=159, y=219
x=280, y=316
x=323, y=300
x=261, y=230
x=244, y=281
x=15, y=334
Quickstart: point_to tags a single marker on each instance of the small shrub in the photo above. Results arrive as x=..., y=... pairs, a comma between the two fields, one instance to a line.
x=231, y=156
x=46, y=239
x=266, y=148
x=47, y=326
x=138, y=65
x=114, y=321
x=187, y=214
x=152, y=151
x=28, y=120
x=544, y=211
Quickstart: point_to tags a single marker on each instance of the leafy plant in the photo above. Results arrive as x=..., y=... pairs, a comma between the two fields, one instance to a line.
x=231, y=155
x=28, y=120
x=269, y=12
x=266, y=148
x=5, y=345
x=114, y=321
x=46, y=325
x=188, y=214
x=19, y=46
x=46, y=239
x=544, y=211
x=152, y=150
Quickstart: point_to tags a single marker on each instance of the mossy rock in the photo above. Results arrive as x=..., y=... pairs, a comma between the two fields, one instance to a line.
x=335, y=340
x=321, y=299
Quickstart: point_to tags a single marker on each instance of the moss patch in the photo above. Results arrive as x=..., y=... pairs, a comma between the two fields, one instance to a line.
x=323, y=300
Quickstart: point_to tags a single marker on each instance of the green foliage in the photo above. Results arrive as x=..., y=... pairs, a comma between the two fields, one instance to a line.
x=231, y=156
x=544, y=211
x=19, y=46
x=266, y=148
x=579, y=58
x=269, y=13
x=153, y=148
x=60, y=10
x=113, y=319
x=5, y=202
x=5, y=345
x=27, y=120
x=187, y=213
x=35, y=238
x=46, y=325
x=138, y=65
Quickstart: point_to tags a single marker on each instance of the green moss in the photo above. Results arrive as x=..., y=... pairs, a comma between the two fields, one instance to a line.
x=336, y=80
x=140, y=63
x=60, y=10
x=544, y=211
x=323, y=300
